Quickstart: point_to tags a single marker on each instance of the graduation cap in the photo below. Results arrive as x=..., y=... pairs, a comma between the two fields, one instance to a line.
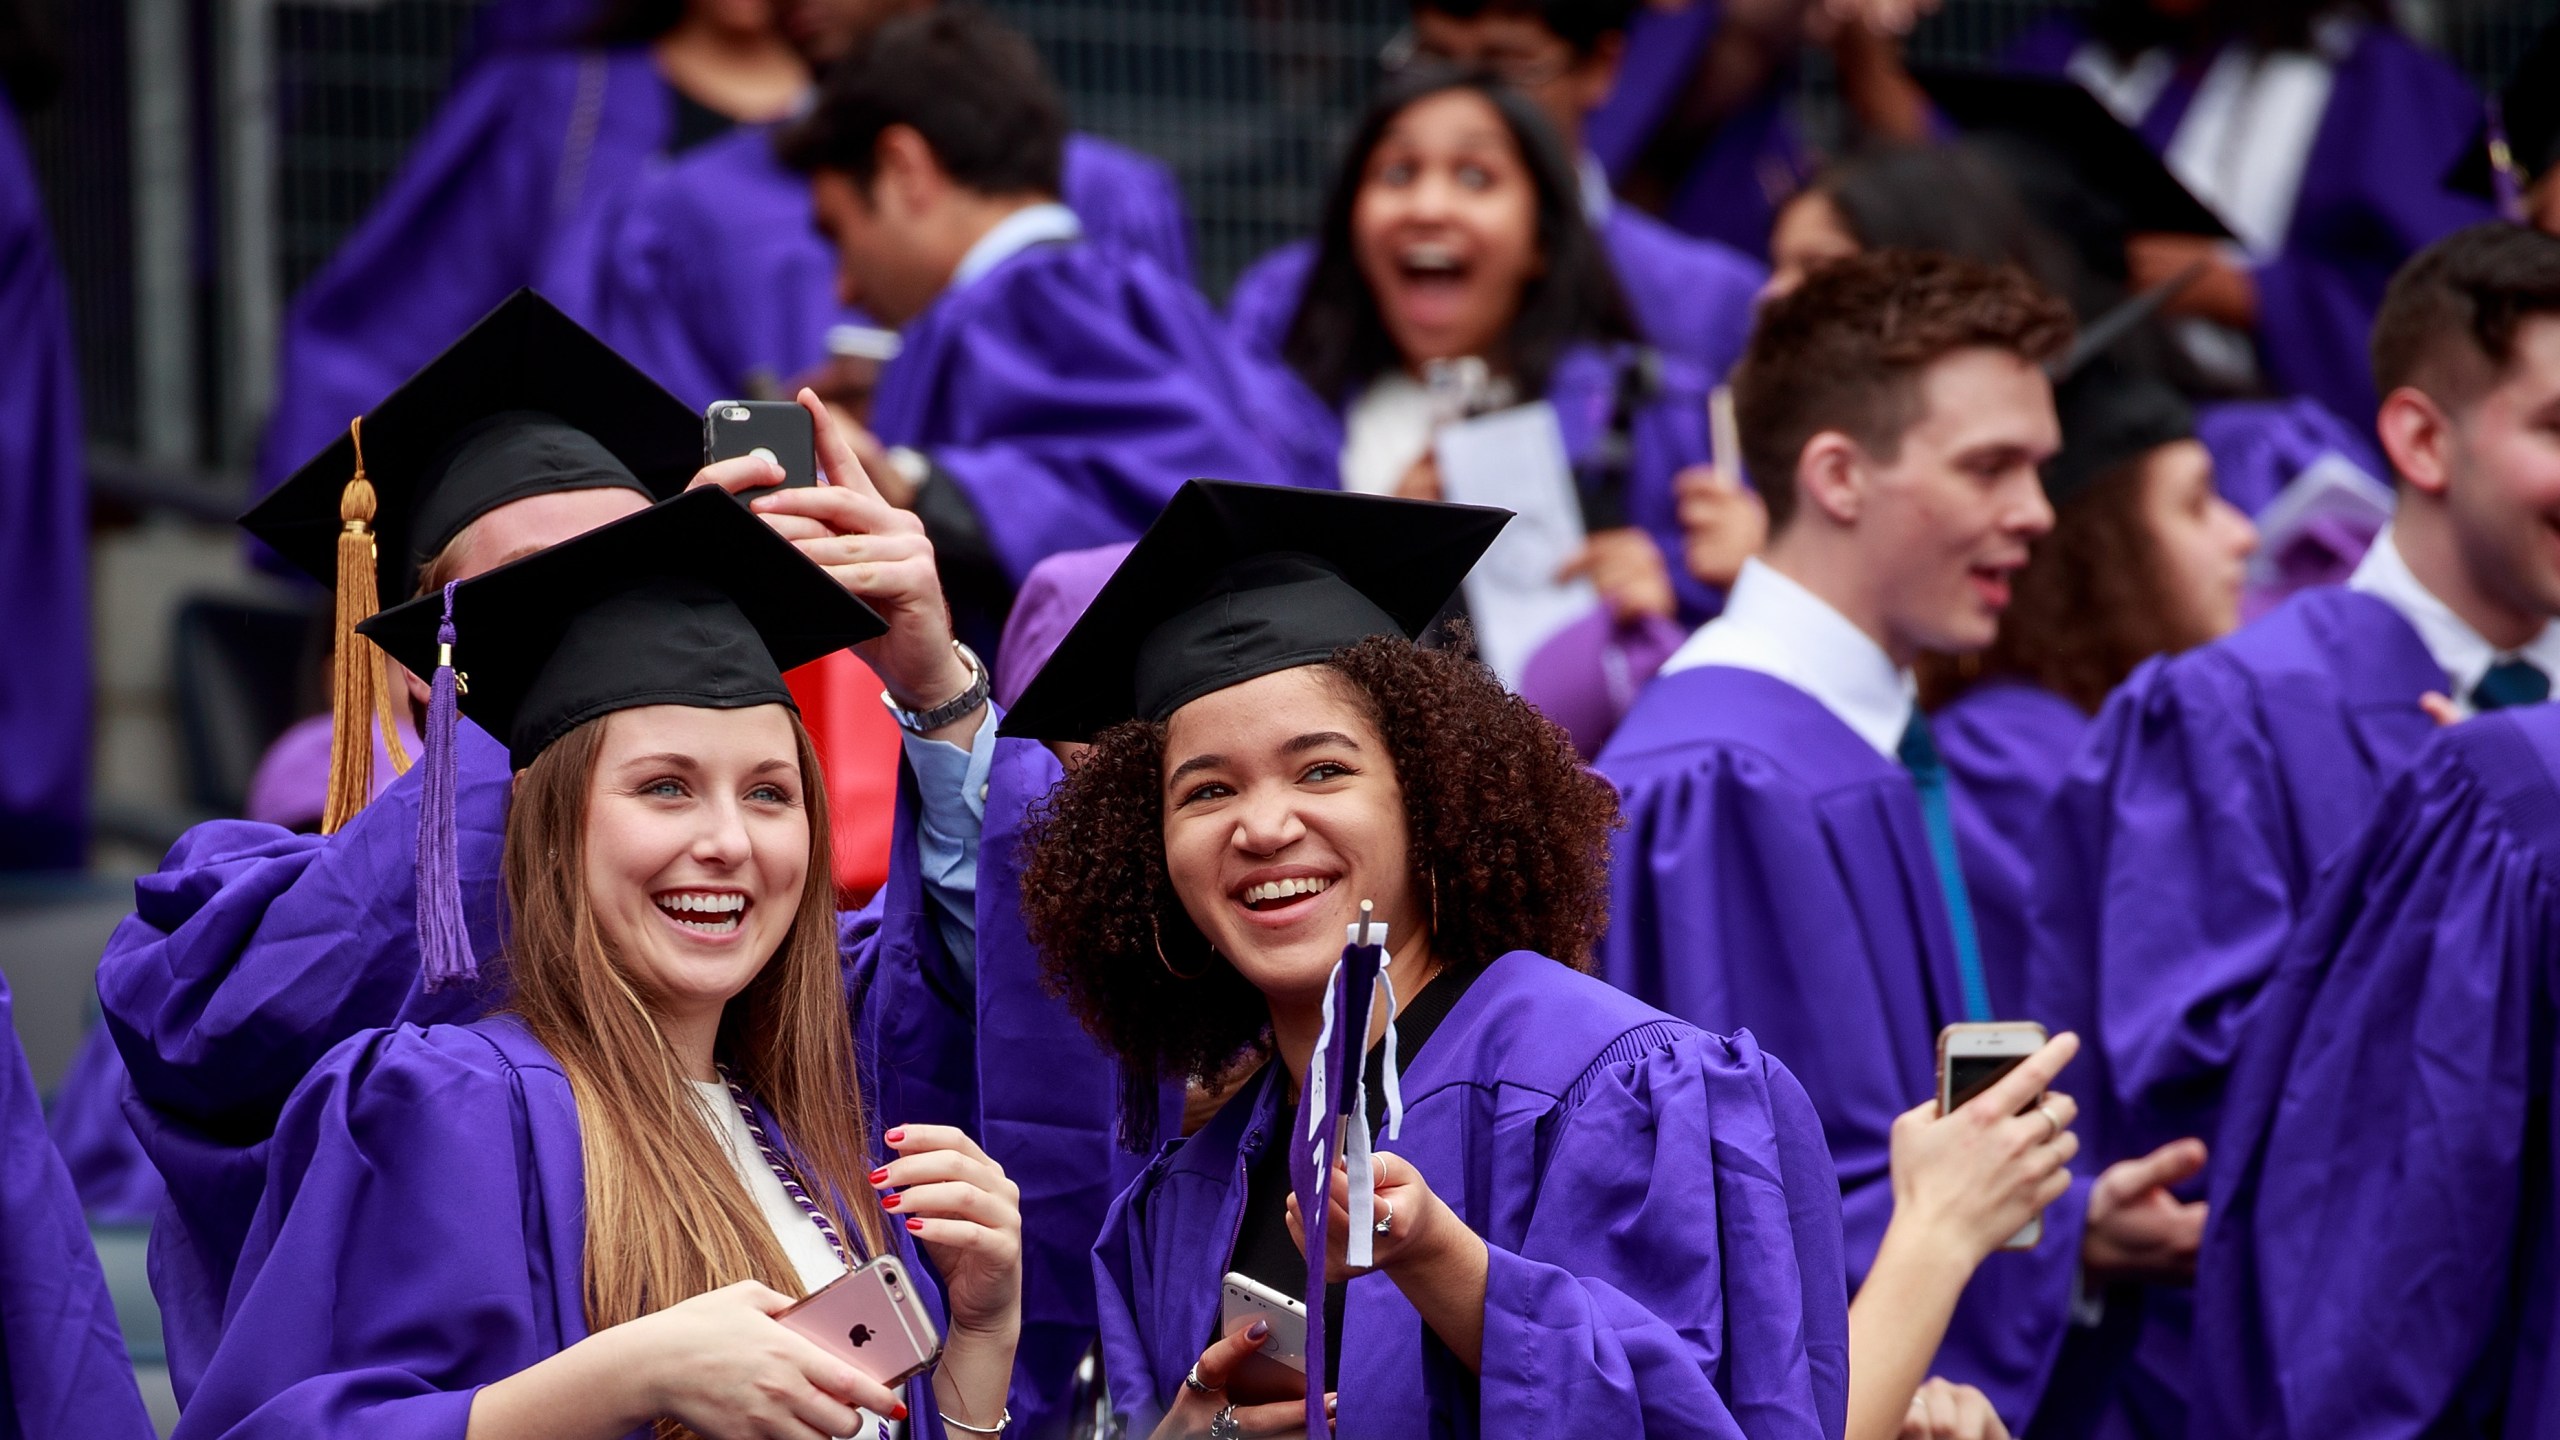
x=694, y=602
x=2111, y=410
x=525, y=403
x=2519, y=135
x=1237, y=581
x=2066, y=121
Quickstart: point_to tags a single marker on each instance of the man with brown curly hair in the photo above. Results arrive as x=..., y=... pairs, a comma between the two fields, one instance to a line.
x=1791, y=868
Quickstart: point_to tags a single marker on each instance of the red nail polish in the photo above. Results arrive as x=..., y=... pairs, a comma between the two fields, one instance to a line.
x=897, y=1412
x=915, y=1222
x=889, y=1202
x=880, y=1176
x=897, y=1136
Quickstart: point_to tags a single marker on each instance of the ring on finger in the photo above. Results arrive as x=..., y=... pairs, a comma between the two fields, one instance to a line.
x=1386, y=1218
x=2044, y=1108
x=1197, y=1386
x=1224, y=1425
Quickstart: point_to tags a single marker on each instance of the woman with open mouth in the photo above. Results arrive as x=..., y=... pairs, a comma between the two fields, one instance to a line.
x=585, y=1215
x=1593, y=1218
x=1454, y=244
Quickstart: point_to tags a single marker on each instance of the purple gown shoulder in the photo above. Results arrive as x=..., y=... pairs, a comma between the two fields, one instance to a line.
x=422, y=1235
x=1747, y=168
x=2380, y=1255
x=516, y=182
x=1710, y=1304
x=64, y=1373
x=2172, y=866
x=44, y=548
x=1069, y=391
x=1775, y=876
x=1128, y=200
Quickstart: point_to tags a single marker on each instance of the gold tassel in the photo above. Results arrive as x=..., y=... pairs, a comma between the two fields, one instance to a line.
x=356, y=666
x=387, y=690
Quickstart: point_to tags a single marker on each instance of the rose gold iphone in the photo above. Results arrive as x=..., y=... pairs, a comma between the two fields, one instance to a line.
x=1970, y=1058
x=872, y=1317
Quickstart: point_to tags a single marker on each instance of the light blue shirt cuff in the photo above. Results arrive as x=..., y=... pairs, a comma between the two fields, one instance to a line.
x=951, y=784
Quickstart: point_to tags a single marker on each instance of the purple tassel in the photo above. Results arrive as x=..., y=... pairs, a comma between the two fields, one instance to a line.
x=444, y=937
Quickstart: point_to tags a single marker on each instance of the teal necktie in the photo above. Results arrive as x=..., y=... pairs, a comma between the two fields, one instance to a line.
x=2511, y=682
x=1919, y=752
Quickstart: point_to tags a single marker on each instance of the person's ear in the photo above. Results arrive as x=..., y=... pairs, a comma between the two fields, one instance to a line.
x=2417, y=438
x=909, y=180
x=1831, y=477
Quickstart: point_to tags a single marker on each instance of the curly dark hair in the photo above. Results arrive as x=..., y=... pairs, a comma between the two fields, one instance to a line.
x=1509, y=837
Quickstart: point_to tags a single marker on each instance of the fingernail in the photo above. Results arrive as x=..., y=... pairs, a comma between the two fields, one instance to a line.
x=880, y=1176
x=898, y=1412
x=889, y=1202
x=897, y=1136
x=915, y=1222
x=1257, y=1330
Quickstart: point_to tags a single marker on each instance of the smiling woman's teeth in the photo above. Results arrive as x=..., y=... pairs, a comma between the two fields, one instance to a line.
x=712, y=914
x=1270, y=890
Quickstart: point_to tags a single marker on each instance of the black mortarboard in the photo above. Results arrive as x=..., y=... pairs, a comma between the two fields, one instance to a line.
x=2067, y=121
x=2111, y=413
x=695, y=601
x=1236, y=581
x=2521, y=133
x=525, y=403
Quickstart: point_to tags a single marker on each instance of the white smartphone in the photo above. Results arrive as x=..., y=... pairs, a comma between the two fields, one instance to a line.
x=1278, y=1371
x=870, y=1316
x=1970, y=1057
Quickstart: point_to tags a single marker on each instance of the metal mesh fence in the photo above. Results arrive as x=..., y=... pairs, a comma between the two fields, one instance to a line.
x=1248, y=100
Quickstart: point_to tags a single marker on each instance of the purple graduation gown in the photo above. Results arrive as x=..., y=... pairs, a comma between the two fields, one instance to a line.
x=718, y=284
x=2380, y=1258
x=1753, y=162
x=44, y=540
x=1005, y=1060
x=2173, y=864
x=64, y=1374
x=1775, y=875
x=514, y=183
x=2371, y=197
x=1663, y=1231
x=2006, y=743
x=1070, y=391
x=422, y=1234
x=115, y=1181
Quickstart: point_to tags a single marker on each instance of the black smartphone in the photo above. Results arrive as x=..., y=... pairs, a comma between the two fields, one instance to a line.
x=777, y=430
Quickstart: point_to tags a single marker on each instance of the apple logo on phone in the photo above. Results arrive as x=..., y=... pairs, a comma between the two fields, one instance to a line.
x=860, y=1335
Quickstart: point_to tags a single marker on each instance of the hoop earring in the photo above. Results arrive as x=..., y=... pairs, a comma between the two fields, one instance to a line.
x=1156, y=928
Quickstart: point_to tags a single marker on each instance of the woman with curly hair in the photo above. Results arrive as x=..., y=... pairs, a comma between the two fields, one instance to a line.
x=1594, y=1218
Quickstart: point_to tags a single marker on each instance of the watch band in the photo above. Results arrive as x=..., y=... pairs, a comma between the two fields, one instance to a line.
x=925, y=722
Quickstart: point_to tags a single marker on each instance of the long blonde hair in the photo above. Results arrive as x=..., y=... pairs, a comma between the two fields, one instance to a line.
x=667, y=1217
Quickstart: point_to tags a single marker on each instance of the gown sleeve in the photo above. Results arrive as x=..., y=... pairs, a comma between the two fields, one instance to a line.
x=1680, y=1273
x=406, y=1253
x=2165, y=892
x=64, y=1374
x=2379, y=1261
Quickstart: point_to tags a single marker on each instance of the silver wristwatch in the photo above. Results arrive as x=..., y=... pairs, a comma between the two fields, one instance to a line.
x=925, y=722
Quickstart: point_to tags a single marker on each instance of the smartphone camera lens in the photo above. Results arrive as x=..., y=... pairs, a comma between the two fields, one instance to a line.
x=735, y=412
